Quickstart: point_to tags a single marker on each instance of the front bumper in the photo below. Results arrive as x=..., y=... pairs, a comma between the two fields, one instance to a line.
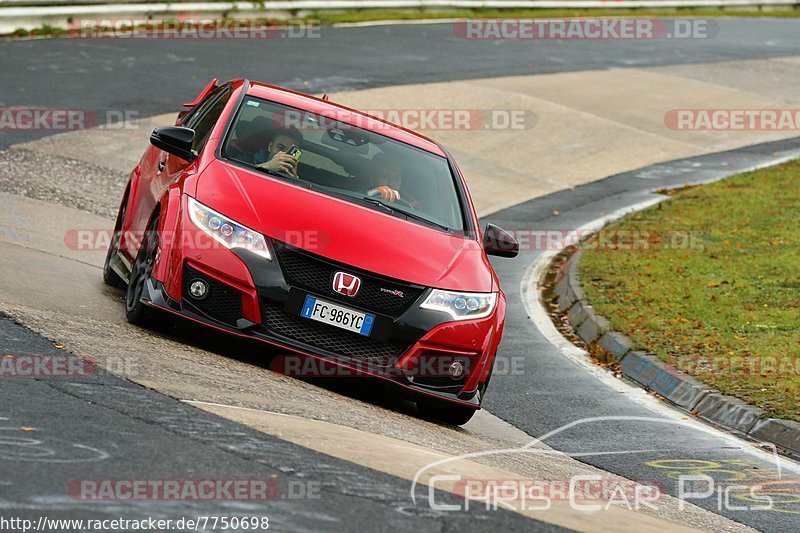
x=259, y=299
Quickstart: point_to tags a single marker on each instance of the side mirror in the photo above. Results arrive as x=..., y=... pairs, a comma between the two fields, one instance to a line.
x=174, y=140
x=499, y=242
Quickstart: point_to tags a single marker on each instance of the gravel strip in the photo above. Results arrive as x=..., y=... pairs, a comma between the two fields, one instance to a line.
x=61, y=180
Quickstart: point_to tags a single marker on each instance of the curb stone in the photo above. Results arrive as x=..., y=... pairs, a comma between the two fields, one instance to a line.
x=679, y=388
x=565, y=296
x=593, y=327
x=615, y=343
x=668, y=382
x=641, y=367
x=577, y=314
x=783, y=433
x=729, y=412
x=572, y=275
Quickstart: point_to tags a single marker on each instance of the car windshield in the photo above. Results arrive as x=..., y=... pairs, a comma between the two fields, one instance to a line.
x=346, y=161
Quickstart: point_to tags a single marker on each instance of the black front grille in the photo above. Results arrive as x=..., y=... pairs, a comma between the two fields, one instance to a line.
x=330, y=338
x=223, y=303
x=316, y=274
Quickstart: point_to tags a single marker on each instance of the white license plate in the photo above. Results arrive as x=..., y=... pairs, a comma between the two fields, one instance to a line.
x=337, y=315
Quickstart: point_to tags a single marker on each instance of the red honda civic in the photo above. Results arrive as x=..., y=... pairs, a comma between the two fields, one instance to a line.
x=340, y=238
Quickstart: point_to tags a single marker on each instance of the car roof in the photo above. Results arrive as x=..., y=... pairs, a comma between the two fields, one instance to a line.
x=344, y=114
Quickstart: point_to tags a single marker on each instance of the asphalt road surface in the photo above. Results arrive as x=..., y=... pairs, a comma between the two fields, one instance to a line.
x=551, y=393
x=144, y=75
x=65, y=431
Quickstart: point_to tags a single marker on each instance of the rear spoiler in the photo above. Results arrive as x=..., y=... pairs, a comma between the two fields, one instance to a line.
x=212, y=85
x=205, y=92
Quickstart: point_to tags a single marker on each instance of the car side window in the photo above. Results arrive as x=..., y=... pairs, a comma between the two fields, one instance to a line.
x=191, y=115
x=203, y=121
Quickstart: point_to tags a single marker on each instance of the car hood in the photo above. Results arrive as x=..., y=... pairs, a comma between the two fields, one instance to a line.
x=345, y=232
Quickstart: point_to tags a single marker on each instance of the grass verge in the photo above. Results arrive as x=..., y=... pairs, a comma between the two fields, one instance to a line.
x=368, y=15
x=709, y=281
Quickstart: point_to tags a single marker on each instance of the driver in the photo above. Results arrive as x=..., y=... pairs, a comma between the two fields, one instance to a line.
x=388, y=178
x=275, y=157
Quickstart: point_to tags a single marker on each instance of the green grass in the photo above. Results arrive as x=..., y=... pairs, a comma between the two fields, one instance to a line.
x=43, y=31
x=725, y=309
x=373, y=15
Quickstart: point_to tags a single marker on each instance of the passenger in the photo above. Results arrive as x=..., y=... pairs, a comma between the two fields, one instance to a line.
x=248, y=139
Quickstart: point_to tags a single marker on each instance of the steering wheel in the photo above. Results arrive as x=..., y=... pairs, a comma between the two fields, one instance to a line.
x=398, y=201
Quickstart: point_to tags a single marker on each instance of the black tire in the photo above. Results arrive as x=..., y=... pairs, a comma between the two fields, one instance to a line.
x=444, y=411
x=109, y=276
x=135, y=311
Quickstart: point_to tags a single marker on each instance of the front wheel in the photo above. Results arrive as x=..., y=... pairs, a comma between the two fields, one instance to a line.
x=135, y=310
x=444, y=411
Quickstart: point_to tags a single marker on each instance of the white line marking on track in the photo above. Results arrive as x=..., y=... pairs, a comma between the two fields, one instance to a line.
x=397, y=22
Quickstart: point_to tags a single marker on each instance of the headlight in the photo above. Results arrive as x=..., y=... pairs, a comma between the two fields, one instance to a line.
x=461, y=305
x=227, y=232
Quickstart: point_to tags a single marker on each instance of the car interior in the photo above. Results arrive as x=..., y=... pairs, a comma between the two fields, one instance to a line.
x=342, y=157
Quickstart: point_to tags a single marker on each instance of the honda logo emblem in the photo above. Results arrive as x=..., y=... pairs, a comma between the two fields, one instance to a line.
x=346, y=284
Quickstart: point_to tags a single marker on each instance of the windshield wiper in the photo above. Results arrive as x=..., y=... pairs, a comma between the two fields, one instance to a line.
x=394, y=209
